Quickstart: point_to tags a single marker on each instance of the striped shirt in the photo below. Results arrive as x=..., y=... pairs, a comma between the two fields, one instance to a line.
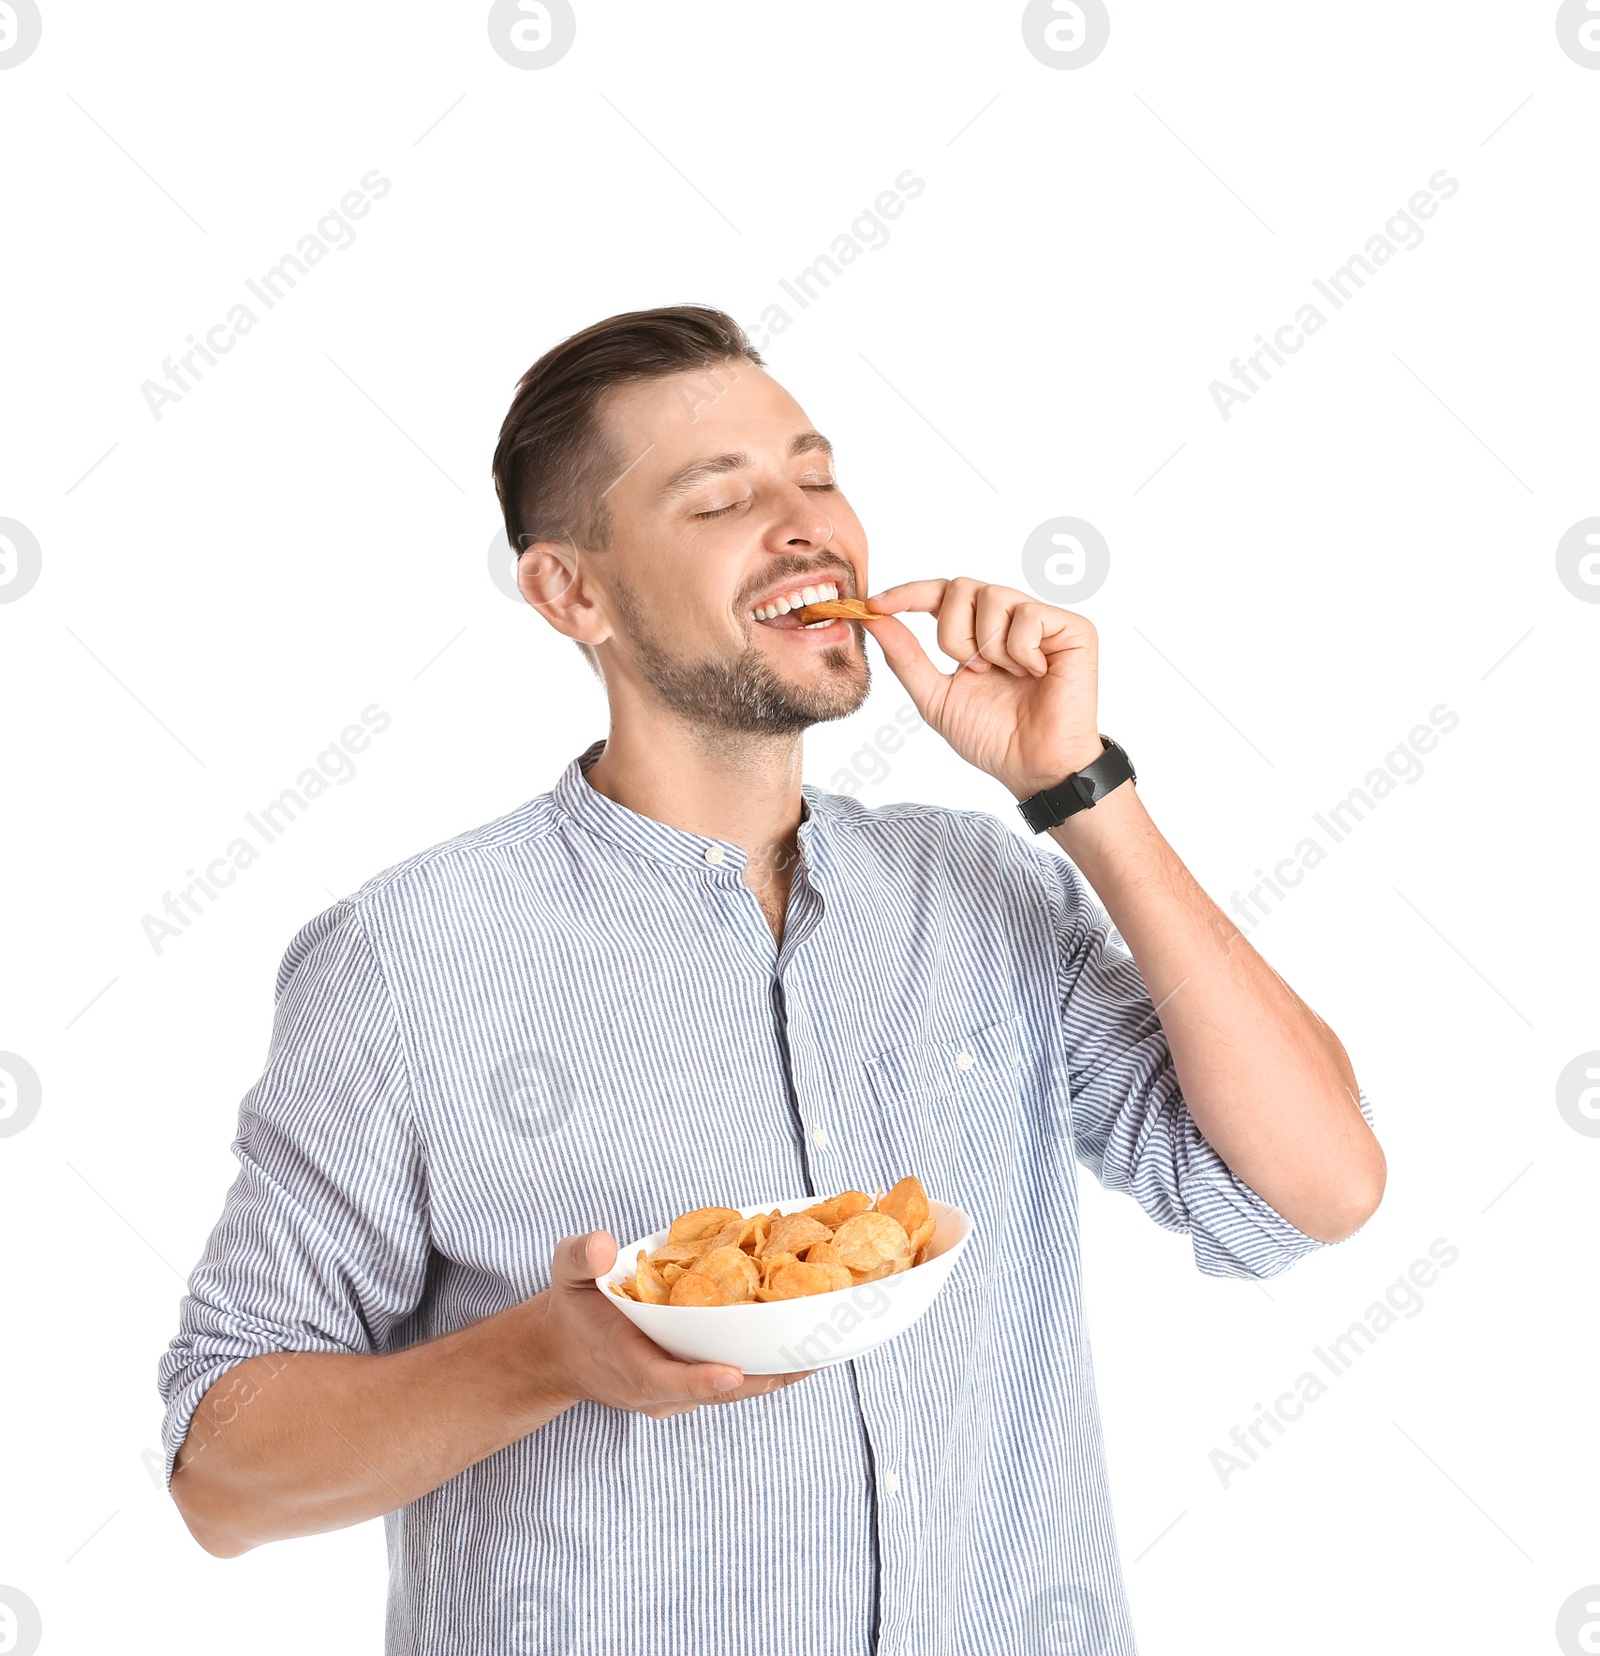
x=576, y=1018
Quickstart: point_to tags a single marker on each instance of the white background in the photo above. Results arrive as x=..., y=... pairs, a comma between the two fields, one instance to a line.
x=305, y=533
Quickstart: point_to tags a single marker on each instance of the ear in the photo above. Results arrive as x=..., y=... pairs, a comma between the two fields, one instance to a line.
x=551, y=576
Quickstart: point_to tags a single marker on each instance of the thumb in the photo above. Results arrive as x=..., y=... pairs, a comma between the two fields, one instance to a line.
x=909, y=662
x=580, y=1259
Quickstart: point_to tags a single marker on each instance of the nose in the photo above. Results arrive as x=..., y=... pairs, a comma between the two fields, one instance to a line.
x=814, y=536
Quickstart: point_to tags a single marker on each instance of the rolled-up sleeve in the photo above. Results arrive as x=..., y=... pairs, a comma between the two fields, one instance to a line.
x=323, y=1241
x=1130, y=1125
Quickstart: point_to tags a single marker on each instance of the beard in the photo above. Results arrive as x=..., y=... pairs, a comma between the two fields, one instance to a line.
x=742, y=693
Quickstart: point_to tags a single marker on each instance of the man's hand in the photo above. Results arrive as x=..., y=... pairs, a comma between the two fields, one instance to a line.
x=595, y=1353
x=1022, y=703
x=1266, y=1081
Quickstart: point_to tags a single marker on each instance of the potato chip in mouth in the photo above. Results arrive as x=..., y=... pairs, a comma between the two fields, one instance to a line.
x=836, y=609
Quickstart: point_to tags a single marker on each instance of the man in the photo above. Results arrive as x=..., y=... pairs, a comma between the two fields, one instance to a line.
x=684, y=978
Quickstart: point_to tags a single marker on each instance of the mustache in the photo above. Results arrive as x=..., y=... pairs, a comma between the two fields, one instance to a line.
x=794, y=567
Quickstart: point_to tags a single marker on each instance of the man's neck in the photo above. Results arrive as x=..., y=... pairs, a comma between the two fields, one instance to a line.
x=731, y=786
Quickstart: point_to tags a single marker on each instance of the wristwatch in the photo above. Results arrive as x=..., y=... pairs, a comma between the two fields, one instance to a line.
x=1083, y=789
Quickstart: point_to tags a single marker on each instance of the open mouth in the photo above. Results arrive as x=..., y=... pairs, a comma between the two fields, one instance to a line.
x=780, y=612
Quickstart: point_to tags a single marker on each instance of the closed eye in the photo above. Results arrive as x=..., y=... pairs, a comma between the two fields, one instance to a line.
x=722, y=511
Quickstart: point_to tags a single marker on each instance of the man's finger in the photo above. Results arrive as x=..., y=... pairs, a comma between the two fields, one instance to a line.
x=661, y=1378
x=909, y=663
x=958, y=636
x=992, y=619
x=578, y=1260
x=910, y=595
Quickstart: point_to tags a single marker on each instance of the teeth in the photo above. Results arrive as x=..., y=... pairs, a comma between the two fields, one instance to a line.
x=795, y=600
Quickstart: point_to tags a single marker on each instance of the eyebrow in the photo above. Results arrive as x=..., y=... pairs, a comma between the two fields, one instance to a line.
x=719, y=465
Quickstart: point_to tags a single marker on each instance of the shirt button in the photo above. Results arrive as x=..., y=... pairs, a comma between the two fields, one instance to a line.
x=965, y=1060
x=821, y=1136
x=714, y=854
x=891, y=1483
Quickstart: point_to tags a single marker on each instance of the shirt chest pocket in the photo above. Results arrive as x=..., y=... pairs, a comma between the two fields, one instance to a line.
x=952, y=1108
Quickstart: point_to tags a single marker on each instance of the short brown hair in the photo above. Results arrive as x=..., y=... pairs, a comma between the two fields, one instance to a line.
x=555, y=462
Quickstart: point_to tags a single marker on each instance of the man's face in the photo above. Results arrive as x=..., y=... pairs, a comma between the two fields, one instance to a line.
x=727, y=507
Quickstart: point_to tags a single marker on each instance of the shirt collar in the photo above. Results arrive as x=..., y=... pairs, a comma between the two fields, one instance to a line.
x=598, y=814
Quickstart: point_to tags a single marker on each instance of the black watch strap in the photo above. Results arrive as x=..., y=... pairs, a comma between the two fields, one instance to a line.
x=1080, y=791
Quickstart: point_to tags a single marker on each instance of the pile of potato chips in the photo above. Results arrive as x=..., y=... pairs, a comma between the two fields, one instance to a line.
x=713, y=1256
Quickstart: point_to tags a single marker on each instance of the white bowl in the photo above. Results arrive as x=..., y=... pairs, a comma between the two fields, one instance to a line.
x=785, y=1336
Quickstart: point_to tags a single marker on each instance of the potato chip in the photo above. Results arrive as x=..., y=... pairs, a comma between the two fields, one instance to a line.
x=701, y=1223
x=923, y=1234
x=769, y=1267
x=690, y=1289
x=798, y=1280
x=773, y=1262
x=647, y=1283
x=821, y=1253
x=793, y=1232
x=733, y=1271
x=908, y=1203
x=837, y=1209
x=671, y=1273
x=677, y=1253
x=869, y=1239
x=837, y=609
x=727, y=1237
